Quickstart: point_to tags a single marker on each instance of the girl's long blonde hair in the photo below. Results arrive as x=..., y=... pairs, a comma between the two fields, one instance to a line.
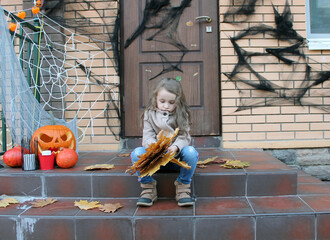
x=182, y=112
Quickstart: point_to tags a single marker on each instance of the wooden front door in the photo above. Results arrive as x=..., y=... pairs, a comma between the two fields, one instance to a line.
x=185, y=49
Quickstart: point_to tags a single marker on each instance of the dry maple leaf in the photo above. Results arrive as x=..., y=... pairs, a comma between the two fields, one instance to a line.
x=7, y=201
x=155, y=166
x=110, y=208
x=221, y=161
x=10, y=200
x=156, y=155
x=201, y=166
x=212, y=160
x=99, y=167
x=235, y=164
x=180, y=163
x=85, y=205
x=206, y=161
x=4, y=204
x=38, y=203
x=123, y=155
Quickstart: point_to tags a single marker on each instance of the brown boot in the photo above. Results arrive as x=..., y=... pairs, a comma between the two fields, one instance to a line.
x=182, y=192
x=148, y=195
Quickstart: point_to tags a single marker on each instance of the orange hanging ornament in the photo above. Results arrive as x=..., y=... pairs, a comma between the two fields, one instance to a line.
x=38, y=3
x=21, y=15
x=12, y=27
x=35, y=10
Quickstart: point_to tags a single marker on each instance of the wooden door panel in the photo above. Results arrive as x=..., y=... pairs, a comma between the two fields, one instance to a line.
x=187, y=34
x=198, y=67
x=191, y=85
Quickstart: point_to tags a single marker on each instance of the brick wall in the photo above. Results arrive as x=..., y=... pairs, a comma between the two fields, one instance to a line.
x=281, y=125
x=12, y=5
x=99, y=137
x=93, y=129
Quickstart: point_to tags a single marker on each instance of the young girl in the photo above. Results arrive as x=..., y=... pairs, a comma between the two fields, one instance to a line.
x=167, y=109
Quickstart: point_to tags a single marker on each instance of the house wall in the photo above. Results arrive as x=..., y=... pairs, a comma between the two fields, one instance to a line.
x=278, y=126
x=12, y=5
x=94, y=118
x=98, y=135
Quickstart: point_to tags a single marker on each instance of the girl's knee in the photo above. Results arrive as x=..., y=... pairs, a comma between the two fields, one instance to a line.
x=190, y=153
x=136, y=153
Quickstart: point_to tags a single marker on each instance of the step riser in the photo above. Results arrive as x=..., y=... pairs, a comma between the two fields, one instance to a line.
x=120, y=186
x=229, y=203
x=287, y=227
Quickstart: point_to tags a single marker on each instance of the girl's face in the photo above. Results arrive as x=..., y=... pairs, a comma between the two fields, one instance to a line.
x=165, y=100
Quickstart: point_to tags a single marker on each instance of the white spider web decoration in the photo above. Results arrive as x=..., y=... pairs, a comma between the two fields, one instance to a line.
x=77, y=79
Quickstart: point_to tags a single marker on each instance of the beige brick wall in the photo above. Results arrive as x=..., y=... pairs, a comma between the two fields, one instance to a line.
x=12, y=5
x=92, y=125
x=282, y=125
x=278, y=126
x=97, y=136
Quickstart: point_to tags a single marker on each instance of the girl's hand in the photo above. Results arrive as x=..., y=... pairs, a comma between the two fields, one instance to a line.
x=173, y=148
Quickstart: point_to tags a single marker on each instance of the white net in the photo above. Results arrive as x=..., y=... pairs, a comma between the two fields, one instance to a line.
x=73, y=76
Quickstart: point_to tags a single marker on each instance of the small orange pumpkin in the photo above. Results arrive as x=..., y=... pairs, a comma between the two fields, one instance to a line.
x=21, y=15
x=12, y=27
x=35, y=10
x=38, y=3
x=67, y=158
x=53, y=137
x=13, y=157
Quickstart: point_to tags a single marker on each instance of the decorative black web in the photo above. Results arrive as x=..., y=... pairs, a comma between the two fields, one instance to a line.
x=293, y=55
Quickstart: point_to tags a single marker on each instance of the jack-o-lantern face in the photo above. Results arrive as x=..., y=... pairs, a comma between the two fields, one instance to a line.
x=38, y=3
x=53, y=137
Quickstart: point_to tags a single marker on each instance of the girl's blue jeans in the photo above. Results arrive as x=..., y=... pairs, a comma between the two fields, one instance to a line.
x=188, y=154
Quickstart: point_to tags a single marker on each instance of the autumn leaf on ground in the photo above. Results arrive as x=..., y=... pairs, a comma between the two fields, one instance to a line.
x=201, y=166
x=7, y=201
x=99, y=167
x=212, y=160
x=110, y=208
x=123, y=155
x=221, y=161
x=206, y=161
x=38, y=203
x=235, y=164
x=85, y=205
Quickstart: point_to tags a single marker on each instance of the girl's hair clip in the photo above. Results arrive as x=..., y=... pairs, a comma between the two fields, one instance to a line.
x=178, y=78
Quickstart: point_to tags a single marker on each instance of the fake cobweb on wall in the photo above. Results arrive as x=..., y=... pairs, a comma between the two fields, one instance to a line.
x=76, y=80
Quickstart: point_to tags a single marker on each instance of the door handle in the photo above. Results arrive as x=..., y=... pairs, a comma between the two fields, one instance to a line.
x=204, y=18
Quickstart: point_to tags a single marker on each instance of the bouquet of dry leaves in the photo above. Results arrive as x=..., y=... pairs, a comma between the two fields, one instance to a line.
x=157, y=155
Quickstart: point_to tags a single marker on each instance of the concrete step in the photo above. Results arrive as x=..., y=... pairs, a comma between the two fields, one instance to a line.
x=267, y=200
x=266, y=176
x=275, y=217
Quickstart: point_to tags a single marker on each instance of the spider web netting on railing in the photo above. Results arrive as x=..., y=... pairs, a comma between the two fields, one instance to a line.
x=69, y=72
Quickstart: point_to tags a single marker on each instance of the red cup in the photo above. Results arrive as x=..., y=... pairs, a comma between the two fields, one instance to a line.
x=47, y=162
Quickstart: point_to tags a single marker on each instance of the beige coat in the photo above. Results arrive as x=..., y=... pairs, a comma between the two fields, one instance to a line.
x=155, y=121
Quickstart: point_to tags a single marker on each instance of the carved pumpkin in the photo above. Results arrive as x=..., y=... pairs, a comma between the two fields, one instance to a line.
x=53, y=137
x=38, y=3
x=35, y=10
x=13, y=157
x=66, y=158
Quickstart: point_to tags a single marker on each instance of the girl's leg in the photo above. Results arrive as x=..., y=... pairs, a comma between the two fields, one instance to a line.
x=148, y=185
x=134, y=158
x=190, y=156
